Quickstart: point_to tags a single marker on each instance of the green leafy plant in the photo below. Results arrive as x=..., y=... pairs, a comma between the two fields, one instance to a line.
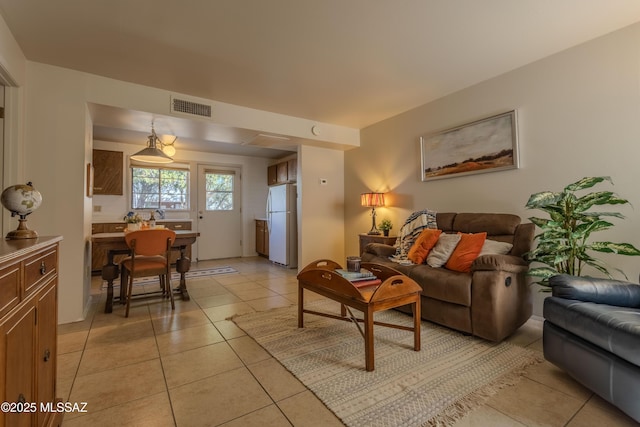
x=385, y=224
x=563, y=245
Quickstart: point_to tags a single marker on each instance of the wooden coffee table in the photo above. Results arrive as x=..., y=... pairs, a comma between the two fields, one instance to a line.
x=395, y=290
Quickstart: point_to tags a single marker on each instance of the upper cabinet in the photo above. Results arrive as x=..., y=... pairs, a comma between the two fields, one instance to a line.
x=283, y=172
x=107, y=172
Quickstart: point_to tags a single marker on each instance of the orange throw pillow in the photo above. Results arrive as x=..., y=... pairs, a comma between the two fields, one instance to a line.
x=466, y=252
x=423, y=244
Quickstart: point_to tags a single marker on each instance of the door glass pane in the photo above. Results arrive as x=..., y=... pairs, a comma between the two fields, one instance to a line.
x=219, y=191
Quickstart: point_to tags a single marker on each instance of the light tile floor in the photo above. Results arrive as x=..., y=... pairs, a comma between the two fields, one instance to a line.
x=193, y=367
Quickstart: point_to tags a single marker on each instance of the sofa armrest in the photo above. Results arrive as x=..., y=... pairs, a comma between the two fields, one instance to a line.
x=380, y=249
x=598, y=290
x=509, y=263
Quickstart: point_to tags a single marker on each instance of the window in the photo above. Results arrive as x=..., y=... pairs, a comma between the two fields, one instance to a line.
x=159, y=188
x=219, y=190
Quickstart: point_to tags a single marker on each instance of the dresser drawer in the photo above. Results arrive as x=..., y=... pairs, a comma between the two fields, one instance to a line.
x=39, y=267
x=9, y=288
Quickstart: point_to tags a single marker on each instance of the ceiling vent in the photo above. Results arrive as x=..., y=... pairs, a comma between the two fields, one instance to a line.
x=266, y=140
x=189, y=107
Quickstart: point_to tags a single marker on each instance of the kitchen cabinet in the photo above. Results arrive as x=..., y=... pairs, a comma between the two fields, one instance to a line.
x=283, y=172
x=108, y=172
x=28, y=329
x=99, y=256
x=272, y=175
x=292, y=170
x=262, y=238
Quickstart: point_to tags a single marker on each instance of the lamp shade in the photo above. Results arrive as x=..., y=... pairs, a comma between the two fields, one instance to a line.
x=372, y=199
x=152, y=154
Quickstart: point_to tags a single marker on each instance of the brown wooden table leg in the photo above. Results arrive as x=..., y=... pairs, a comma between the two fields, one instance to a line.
x=109, y=273
x=368, y=340
x=183, y=264
x=300, y=306
x=416, y=325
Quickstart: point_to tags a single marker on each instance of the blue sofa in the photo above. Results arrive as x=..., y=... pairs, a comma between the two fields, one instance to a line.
x=592, y=331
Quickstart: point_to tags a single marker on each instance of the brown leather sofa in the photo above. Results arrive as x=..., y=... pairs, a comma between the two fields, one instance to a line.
x=491, y=301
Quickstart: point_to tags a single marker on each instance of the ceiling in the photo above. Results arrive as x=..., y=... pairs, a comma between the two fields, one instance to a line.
x=350, y=63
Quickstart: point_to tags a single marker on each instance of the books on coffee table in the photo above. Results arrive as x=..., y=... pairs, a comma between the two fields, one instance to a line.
x=355, y=275
x=360, y=279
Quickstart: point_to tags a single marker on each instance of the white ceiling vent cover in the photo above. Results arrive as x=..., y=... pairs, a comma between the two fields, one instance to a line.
x=190, y=107
x=266, y=141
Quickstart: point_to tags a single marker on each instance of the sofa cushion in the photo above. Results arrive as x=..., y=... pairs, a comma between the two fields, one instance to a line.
x=615, y=329
x=443, y=285
x=444, y=220
x=443, y=249
x=423, y=245
x=492, y=224
x=466, y=252
x=493, y=247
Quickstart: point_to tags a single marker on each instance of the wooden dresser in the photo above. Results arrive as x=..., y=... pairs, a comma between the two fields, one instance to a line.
x=28, y=326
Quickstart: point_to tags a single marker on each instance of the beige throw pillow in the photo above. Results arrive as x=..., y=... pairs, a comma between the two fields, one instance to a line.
x=441, y=252
x=493, y=247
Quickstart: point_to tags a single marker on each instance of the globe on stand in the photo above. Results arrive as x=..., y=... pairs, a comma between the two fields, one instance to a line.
x=21, y=200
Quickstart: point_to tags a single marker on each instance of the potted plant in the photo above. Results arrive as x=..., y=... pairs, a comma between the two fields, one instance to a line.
x=564, y=246
x=133, y=221
x=385, y=226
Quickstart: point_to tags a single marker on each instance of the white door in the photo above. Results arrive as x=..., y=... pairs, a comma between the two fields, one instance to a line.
x=219, y=212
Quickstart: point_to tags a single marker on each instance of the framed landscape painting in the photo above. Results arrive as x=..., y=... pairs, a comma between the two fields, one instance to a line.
x=486, y=145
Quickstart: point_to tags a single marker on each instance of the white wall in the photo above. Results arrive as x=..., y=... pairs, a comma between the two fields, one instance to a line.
x=13, y=67
x=579, y=115
x=254, y=188
x=321, y=206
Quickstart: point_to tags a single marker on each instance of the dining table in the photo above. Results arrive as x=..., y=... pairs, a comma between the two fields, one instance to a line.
x=115, y=244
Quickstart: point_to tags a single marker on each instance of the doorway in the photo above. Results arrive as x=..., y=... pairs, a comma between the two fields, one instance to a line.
x=219, y=212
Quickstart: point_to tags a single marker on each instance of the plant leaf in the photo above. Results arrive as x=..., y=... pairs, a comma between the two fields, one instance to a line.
x=615, y=248
x=542, y=199
x=599, y=198
x=587, y=182
x=543, y=272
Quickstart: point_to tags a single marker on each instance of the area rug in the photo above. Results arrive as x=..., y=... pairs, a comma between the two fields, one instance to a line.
x=438, y=385
x=176, y=276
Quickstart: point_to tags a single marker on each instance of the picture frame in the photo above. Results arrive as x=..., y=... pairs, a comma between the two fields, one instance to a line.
x=486, y=145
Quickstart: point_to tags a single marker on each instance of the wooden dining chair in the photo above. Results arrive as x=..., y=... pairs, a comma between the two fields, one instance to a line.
x=150, y=250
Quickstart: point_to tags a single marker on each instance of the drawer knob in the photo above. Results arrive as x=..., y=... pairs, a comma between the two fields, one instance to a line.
x=43, y=268
x=21, y=398
x=47, y=355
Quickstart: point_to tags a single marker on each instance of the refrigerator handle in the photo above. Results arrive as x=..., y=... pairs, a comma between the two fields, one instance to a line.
x=269, y=212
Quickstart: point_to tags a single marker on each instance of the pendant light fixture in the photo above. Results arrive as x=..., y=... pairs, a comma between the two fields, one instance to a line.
x=153, y=153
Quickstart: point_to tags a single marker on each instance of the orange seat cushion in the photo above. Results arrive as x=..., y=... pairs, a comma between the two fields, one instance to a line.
x=423, y=244
x=146, y=265
x=466, y=252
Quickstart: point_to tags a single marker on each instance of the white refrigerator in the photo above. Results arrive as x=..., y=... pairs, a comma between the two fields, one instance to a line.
x=281, y=220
